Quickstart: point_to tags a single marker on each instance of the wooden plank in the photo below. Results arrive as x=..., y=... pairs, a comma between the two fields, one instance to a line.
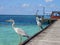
x=51, y=36
x=35, y=35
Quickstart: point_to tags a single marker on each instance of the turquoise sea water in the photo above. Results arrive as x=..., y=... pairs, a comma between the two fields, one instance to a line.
x=8, y=35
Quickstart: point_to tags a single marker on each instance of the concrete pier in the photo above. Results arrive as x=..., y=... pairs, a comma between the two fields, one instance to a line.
x=50, y=36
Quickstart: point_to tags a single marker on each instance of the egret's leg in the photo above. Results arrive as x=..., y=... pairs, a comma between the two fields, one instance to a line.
x=20, y=39
x=41, y=27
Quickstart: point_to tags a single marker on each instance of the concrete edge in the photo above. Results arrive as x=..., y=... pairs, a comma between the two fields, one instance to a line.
x=26, y=41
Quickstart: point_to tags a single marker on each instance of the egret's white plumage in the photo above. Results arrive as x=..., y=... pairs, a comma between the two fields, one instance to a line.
x=38, y=20
x=18, y=30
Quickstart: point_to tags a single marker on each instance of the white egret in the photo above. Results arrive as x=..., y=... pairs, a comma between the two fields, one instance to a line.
x=18, y=30
x=38, y=20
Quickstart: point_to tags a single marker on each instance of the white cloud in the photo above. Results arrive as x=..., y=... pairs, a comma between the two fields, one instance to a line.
x=53, y=6
x=25, y=5
x=48, y=0
x=40, y=4
x=48, y=6
x=48, y=12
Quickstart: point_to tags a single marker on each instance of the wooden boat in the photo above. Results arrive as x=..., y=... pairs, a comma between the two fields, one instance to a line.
x=55, y=15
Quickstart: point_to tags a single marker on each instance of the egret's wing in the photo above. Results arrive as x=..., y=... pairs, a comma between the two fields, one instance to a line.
x=40, y=19
x=20, y=31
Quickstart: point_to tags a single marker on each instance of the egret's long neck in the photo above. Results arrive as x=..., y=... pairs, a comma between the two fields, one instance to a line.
x=13, y=24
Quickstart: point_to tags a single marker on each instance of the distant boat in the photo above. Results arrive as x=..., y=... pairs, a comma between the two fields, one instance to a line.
x=55, y=15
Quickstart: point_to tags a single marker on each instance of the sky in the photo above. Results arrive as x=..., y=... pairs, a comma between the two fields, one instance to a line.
x=28, y=7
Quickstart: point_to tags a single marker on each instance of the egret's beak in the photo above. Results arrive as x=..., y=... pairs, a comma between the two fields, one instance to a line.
x=8, y=20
